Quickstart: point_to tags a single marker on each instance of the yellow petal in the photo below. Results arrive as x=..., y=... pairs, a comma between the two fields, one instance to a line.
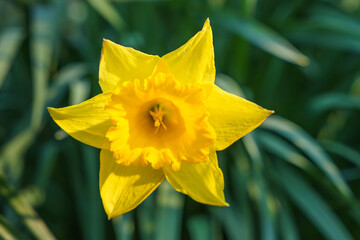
x=203, y=182
x=124, y=188
x=194, y=61
x=232, y=117
x=119, y=64
x=87, y=122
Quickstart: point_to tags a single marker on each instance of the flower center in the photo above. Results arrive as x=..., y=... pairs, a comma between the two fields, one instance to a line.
x=157, y=113
x=159, y=122
x=161, y=118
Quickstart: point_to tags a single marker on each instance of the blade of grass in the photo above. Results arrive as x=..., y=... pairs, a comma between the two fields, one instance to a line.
x=287, y=222
x=23, y=209
x=66, y=76
x=312, y=204
x=10, y=42
x=7, y=231
x=229, y=220
x=241, y=176
x=199, y=227
x=41, y=27
x=263, y=37
x=326, y=40
x=41, y=46
x=325, y=18
x=228, y=84
x=109, y=13
x=310, y=147
x=169, y=213
x=283, y=150
x=342, y=150
x=145, y=218
x=124, y=226
x=46, y=163
x=73, y=164
x=330, y=101
x=264, y=201
x=79, y=92
x=95, y=213
x=85, y=188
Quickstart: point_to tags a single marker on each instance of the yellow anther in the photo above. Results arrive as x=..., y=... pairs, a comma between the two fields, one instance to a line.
x=157, y=116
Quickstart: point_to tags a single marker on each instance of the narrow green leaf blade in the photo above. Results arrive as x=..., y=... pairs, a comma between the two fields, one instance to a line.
x=263, y=37
x=10, y=42
x=287, y=223
x=199, y=227
x=108, y=12
x=331, y=101
x=23, y=209
x=267, y=213
x=342, y=150
x=124, y=226
x=310, y=147
x=170, y=211
x=283, y=150
x=311, y=203
x=41, y=46
x=9, y=232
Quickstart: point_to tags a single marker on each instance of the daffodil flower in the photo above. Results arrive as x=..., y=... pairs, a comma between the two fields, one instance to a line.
x=159, y=117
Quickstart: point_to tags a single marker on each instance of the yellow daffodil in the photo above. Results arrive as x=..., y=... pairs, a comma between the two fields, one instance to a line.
x=159, y=117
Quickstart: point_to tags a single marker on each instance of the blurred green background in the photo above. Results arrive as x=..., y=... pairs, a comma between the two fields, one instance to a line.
x=296, y=177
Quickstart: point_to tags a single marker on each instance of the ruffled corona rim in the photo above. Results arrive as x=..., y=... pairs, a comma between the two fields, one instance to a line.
x=160, y=122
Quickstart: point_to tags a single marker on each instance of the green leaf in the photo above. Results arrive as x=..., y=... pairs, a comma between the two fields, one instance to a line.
x=85, y=188
x=145, y=217
x=283, y=149
x=342, y=150
x=79, y=92
x=46, y=163
x=7, y=231
x=109, y=13
x=298, y=137
x=169, y=213
x=228, y=84
x=66, y=76
x=199, y=227
x=124, y=226
x=312, y=205
x=241, y=176
x=94, y=214
x=328, y=28
x=331, y=101
x=43, y=23
x=10, y=42
x=263, y=37
x=23, y=209
x=265, y=199
x=287, y=222
x=326, y=18
x=326, y=40
x=229, y=218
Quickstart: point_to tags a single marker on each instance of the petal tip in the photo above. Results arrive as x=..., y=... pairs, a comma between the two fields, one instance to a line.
x=270, y=112
x=221, y=203
x=105, y=40
x=52, y=112
x=206, y=24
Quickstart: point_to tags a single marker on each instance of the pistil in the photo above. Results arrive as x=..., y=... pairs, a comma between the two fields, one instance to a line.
x=157, y=113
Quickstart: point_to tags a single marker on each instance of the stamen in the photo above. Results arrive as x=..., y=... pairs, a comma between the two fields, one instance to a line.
x=157, y=116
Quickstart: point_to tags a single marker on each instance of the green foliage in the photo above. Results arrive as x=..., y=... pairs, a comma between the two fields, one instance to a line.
x=296, y=177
